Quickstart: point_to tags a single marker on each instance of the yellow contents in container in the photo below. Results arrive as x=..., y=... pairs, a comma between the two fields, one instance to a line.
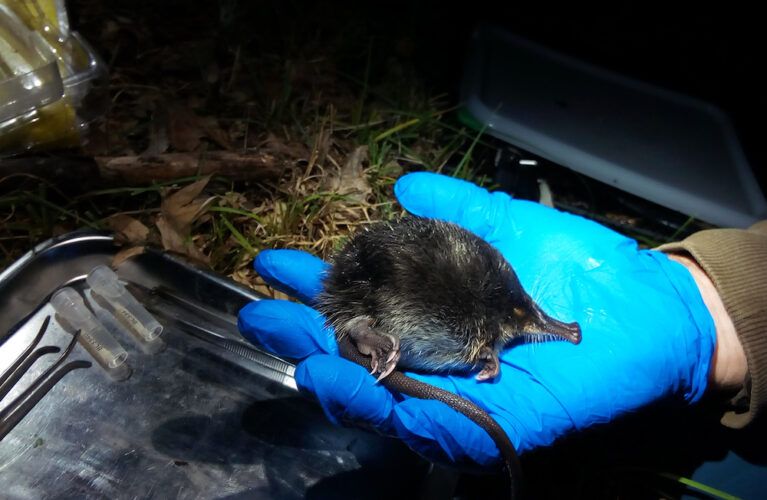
x=44, y=114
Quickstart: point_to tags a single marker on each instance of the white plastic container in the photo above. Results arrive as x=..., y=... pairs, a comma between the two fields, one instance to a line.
x=46, y=71
x=101, y=345
x=29, y=76
x=665, y=147
x=112, y=295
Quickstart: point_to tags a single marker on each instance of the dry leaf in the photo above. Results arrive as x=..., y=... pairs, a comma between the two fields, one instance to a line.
x=215, y=133
x=126, y=254
x=186, y=130
x=127, y=229
x=178, y=212
x=173, y=204
x=351, y=179
x=247, y=277
x=174, y=241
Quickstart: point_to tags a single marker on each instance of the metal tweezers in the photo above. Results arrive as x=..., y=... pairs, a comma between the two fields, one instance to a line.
x=17, y=409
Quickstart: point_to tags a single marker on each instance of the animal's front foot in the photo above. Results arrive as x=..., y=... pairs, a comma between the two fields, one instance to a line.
x=491, y=367
x=384, y=360
x=382, y=348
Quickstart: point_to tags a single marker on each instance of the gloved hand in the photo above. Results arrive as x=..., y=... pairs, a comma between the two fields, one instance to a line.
x=646, y=332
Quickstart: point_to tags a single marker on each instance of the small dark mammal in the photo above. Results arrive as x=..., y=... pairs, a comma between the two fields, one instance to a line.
x=426, y=295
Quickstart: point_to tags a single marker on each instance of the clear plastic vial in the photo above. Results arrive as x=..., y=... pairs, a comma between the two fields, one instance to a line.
x=104, y=348
x=125, y=307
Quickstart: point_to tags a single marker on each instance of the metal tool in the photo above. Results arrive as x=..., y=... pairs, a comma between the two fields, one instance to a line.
x=262, y=363
x=17, y=409
x=19, y=367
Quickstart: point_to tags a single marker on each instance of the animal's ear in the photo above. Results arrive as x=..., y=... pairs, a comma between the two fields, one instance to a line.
x=521, y=322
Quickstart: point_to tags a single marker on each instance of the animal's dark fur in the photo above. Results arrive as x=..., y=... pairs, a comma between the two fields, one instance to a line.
x=443, y=291
x=427, y=295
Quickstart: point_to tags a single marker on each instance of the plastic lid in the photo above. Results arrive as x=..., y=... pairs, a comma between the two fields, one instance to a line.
x=70, y=305
x=665, y=147
x=29, y=76
x=105, y=282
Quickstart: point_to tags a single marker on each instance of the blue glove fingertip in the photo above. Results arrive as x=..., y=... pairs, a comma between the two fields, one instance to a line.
x=433, y=195
x=294, y=272
x=426, y=194
x=441, y=434
x=346, y=391
x=286, y=328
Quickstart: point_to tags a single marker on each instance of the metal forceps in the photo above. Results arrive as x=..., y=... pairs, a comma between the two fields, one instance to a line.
x=21, y=405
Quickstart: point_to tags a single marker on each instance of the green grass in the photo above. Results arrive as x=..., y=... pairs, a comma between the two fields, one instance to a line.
x=700, y=487
x=326, y=91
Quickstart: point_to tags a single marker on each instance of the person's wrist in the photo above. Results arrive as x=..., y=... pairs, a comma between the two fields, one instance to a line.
x=729, y=367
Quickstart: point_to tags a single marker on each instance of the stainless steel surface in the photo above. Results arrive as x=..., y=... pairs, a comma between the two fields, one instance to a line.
x=17, y=409
x=208, y=417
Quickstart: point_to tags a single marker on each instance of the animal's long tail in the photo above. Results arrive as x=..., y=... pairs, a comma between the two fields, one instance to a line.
x=399, y=382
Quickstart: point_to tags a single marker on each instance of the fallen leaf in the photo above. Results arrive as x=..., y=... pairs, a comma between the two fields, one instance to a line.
x=173, y=204
x=350, y=179
x=174, y=241
x=127, y=229
x=247, y=277
x=186, y=130
x=215, y=133
x=126, y=254
x=178, y=212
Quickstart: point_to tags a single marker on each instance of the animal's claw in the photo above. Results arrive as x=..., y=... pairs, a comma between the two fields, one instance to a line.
x=491, y=366
x=391, y=364
x=382, y=348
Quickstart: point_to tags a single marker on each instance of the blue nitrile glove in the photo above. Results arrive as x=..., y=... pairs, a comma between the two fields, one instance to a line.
x=646, y=331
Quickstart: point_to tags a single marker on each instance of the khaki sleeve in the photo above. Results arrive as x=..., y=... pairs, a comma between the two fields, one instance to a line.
x=736, y=262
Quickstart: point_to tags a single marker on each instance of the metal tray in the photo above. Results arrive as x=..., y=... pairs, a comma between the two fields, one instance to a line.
x=209, y=417
x=214, y=417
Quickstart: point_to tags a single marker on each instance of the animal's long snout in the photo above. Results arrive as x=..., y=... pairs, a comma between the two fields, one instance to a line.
x=540, y=322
